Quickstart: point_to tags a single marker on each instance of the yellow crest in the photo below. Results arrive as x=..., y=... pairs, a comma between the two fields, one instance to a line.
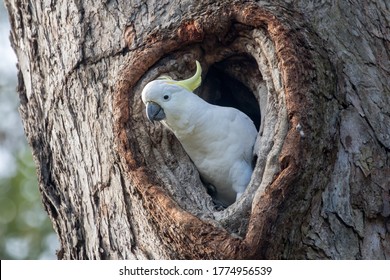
x=191, y=83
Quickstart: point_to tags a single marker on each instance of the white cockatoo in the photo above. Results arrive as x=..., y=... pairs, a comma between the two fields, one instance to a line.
x=219, y=140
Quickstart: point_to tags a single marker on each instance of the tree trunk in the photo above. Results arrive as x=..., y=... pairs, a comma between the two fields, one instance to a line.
x=313, y=75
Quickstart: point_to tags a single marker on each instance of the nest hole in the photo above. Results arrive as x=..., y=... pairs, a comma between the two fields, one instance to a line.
x=232, y=77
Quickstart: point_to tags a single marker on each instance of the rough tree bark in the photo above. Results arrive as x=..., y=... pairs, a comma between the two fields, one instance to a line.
x=313, y=75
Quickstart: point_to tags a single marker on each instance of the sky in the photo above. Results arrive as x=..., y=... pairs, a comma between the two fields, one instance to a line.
x=11, y=130
x=8, y=57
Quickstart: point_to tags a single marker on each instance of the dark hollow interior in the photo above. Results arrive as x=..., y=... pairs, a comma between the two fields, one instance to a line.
x=223, y=86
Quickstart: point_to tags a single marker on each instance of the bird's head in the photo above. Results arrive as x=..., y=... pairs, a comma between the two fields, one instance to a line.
x=164, y=97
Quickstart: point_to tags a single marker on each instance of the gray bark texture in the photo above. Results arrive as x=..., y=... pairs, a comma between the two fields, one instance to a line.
x=313, y=75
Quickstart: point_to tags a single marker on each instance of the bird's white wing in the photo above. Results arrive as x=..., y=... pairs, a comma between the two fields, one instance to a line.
x=221, y=148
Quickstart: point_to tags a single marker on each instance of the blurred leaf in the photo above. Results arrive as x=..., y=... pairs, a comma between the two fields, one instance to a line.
x=24, y=225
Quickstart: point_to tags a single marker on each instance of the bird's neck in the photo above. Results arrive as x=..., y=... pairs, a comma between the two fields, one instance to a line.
x=188, y=118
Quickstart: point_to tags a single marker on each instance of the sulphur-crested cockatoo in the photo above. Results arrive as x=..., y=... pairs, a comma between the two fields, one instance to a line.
x=219, y=140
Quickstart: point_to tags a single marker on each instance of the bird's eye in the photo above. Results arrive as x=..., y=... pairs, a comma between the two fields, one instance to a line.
x=166, y=97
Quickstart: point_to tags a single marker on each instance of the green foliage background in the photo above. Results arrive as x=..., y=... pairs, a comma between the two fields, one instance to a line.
x=25, y=230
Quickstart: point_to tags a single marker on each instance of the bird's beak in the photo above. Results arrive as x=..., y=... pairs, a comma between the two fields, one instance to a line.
x=154, y=112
